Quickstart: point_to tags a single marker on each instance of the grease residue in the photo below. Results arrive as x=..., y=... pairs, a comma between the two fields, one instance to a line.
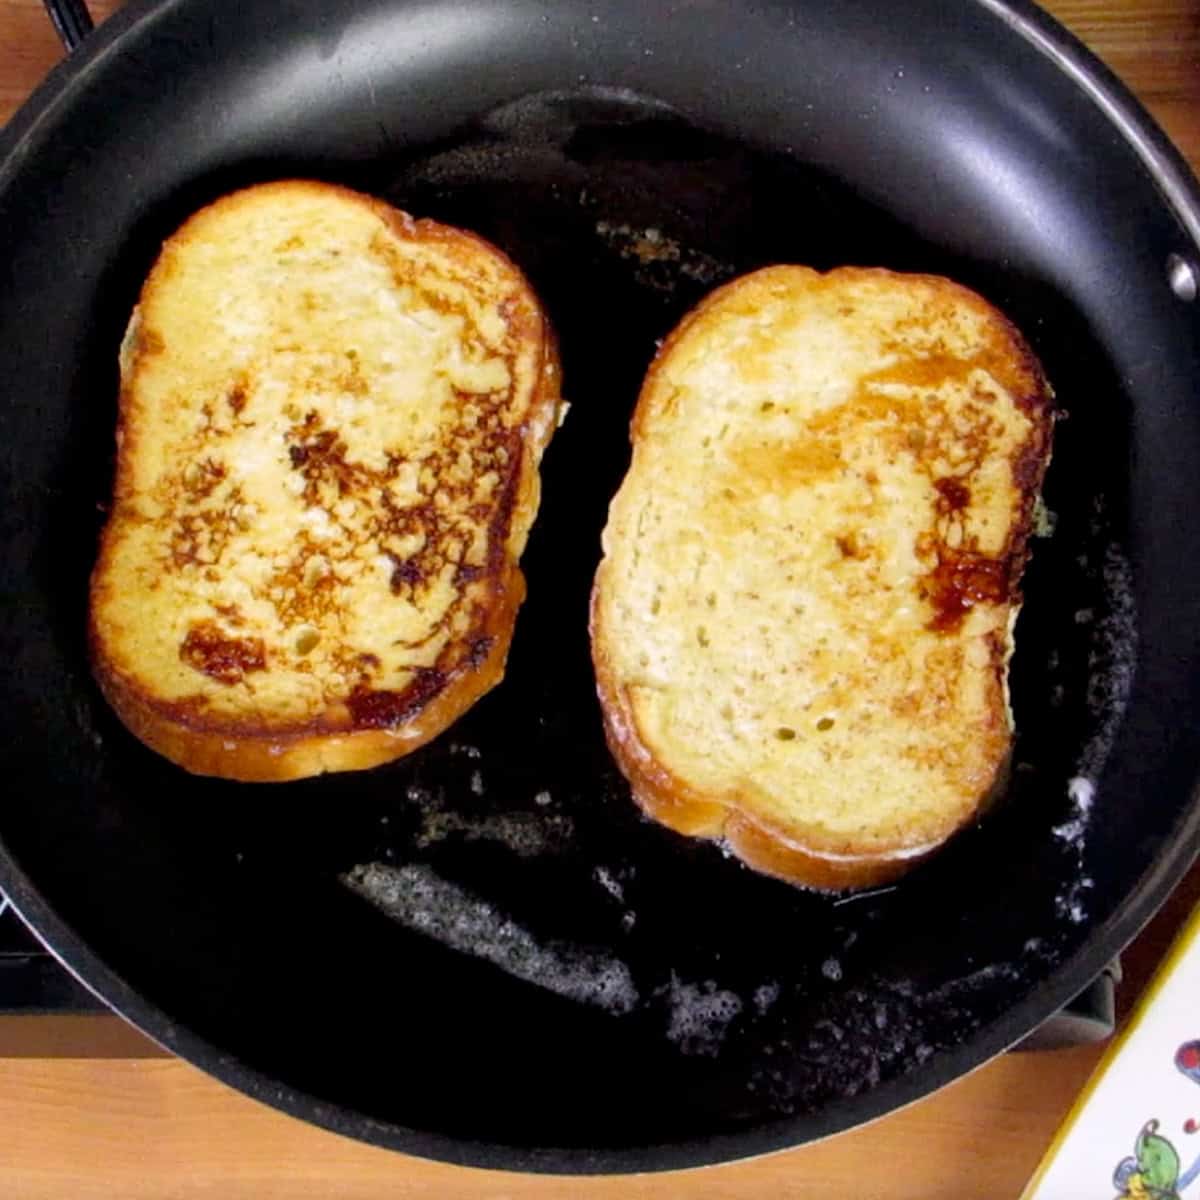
x=421, y=900
x=699, y=1015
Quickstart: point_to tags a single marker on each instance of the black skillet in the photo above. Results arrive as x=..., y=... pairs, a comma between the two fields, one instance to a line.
x=592, y=993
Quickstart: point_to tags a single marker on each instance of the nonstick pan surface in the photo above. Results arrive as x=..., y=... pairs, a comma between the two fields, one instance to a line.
x=482, y=953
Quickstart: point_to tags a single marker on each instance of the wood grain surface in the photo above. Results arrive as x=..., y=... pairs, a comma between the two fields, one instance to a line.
x=87, y=1110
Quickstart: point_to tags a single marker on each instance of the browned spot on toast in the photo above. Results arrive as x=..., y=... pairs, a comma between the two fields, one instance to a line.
x=962, y=579
x=236, y=397
x=200, y=477
x=149, y=341
x=771, y=465
x=849, y=545
x=225, y=659
x=387, y=709
x=955, y=495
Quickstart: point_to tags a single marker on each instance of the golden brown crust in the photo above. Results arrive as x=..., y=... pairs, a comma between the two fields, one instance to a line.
x=959, y=581
x=661, y=795
x=275, y=755
x=369, y=726
x=672, y=802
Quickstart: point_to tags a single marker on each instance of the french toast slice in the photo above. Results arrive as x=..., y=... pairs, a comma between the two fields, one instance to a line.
x=802, y=623
x=330, y=423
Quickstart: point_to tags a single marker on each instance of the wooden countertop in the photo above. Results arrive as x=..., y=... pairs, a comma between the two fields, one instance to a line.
x=83, y=1115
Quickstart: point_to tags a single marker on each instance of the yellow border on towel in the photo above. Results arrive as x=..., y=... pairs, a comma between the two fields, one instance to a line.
x=1171, y=960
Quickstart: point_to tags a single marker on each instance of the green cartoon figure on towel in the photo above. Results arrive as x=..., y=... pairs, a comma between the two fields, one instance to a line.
x=1152, y=1173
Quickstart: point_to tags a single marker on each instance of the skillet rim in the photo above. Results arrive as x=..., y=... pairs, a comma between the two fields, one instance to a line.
x=1180, y=191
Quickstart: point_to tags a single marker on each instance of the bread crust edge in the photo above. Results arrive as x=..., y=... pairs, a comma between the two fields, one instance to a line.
x=247, y=755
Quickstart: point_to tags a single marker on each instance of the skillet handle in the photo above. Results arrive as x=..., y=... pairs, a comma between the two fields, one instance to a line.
x=1090, y=1017
x=71, y=19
